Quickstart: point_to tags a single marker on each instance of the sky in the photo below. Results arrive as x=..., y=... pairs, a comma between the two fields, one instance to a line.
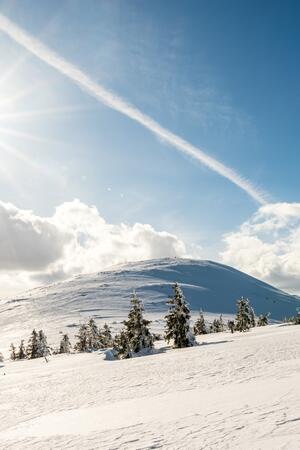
x=157, y=129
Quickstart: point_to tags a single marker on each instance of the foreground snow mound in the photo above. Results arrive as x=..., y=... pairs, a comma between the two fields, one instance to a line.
x=106, y=295
x=234, y=392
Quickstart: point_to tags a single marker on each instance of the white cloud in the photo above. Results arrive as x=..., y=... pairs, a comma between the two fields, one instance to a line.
x=28, y=242
x=268, y=245
x=76, y=239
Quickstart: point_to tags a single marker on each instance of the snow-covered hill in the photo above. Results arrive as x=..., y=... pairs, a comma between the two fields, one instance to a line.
x=234, y=392
x=105, y=295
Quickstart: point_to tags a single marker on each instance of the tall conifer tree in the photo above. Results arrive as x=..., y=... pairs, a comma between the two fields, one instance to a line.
x=178, y=321
x=136, y=327
x=92, y=335
x=22, y=351
x=43, y=347
x=243, y=318
x=32, y=350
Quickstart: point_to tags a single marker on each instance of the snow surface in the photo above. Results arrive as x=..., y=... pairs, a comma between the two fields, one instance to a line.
x=105, y=296
x=237, y=391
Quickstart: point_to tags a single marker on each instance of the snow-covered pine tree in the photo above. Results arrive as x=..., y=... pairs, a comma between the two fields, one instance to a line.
x=178, y=321
x=121, y=345
x=43, y=347
x=262, y=320
x=297, y=317
x=243, y=319
x=136, y=327
x=32, y=350
x=200, y=326
x=217, y=325
x=82, y=339
x=22, y=351
x=105, y=337
x=13, y=353
x=1, y=358
x=65, y=344
x=92, y=335
x=252, y=316
x=221, y=322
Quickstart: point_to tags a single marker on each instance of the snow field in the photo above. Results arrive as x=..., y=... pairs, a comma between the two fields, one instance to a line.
x=237, y=391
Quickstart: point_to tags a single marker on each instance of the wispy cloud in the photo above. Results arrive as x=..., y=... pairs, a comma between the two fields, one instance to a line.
x=117, y=103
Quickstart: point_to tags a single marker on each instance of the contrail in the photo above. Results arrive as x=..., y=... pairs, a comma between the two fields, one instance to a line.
x=115, y=102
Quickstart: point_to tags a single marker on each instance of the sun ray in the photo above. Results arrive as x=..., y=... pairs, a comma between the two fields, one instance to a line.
x=28, y=136
x=40, y=168
x=45, y=111
x=13, y=151
x=8, y=74
x=17, y=96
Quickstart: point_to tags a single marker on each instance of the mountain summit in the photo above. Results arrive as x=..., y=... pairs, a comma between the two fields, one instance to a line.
x=105, y=295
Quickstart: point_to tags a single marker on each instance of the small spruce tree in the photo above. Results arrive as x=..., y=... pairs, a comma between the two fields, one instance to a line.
x=243, y=319
x=13, y=353
x=263, y=320
x=230, y=325
x=22, y=351
x=221, y=324
x=252, y=316
x=178, y=321
x=43, y=347
x=121, y=346
x=200, y=326
x=92, y=335
x=136, y=327
x=65, y=344
x=217, y=325
x=82, y=339
x=32, y=350
x=105, y=337
x=297, y=318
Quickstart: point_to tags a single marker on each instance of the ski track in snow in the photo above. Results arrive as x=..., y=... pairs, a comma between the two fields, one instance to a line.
x=237, y=391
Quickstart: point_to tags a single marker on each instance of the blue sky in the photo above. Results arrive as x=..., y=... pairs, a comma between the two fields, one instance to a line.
x=223, y=75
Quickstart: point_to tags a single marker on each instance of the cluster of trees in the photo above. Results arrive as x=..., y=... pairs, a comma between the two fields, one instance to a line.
x=135, y=335
x=37, y=347
x=90, y=337
x=295, y=320
x=245, y=319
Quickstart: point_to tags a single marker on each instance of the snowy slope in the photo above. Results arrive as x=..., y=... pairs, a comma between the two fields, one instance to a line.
x=105, y=296
x=233, y=392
